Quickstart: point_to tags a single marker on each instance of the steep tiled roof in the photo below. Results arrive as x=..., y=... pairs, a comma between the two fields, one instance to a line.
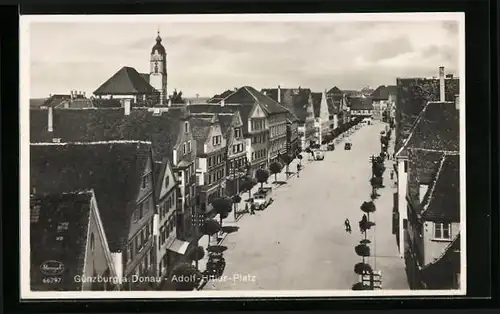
x=334, y=91
x=293, y=99
x=316, y=99
x=437, y=127
x=113, y=170
x=158, y=174
x=145, y=76
x=107, y=103
x=37, y=102
x=200, y=128
x=55, y=100
x=81, y=103
x=361, y=103
x=58, y=232
x=127, y=81
x=244, y=111
x=412, y=95
x=88, y=125
x=382, y=92
x=249, y=95
x=217, y=98
x=441, y=274
x=225, y=119
x=443, y=200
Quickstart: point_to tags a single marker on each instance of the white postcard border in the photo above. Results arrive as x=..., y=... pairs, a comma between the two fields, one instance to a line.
x=26, y=20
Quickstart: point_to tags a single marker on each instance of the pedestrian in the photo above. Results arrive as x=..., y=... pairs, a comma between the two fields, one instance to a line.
x=252, y=208
x=298, y=170
x=363, y=222
x=246, y=207
x=347, y=225
x=392, y=174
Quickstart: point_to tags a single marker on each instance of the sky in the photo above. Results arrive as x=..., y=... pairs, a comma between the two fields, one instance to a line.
x=206, y=58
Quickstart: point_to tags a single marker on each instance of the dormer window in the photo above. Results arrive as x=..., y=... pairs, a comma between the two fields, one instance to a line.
x=186, y=127
x=237, y=132
x=217, y=140
x=144, y=182
x=189, y=146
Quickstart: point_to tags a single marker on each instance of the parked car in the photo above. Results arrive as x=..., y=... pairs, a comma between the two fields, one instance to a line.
x=262, y=198
x=347, y=146
x=318, y=155
x=331, y=146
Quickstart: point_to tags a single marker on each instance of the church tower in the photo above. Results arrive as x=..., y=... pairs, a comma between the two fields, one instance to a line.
x=158, y=69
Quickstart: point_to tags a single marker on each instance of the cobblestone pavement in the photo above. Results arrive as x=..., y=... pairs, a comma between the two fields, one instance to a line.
x=299, y=241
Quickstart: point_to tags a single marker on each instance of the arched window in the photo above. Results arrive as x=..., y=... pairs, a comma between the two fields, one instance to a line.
x=92, y=243
x=156, y=67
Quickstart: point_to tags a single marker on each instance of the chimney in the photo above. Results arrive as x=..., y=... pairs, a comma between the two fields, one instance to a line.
x=71, y=95
x=279, y=94
x=50, y=121
x=222, y=103
x=457, y=102
x=441, y=84
x=126, y=105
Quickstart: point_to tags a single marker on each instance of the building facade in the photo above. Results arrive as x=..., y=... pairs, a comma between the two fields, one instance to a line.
x=210, y=162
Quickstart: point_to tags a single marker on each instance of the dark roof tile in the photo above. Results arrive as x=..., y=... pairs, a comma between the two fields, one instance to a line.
x=316, y=100
x=443, y=201
x=112, y=169
x=295, y=100
x=58, y=232
x=91, y=125
x=360, y=103
x=412, y=96
x=244, y=111
x=127, y=81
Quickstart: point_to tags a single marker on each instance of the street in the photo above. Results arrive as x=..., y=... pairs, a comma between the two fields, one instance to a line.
x=299, y=241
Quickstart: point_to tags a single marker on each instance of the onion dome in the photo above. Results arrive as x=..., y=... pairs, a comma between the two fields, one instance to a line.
x=158, y=46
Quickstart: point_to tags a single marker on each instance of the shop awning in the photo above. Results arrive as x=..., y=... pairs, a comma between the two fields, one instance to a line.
x=179, y=246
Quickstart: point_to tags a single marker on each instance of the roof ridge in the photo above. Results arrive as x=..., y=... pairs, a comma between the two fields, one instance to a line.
x=90, y=143
x=412, y=130
x=433, y=188
x=250, y=92
x=446, y=152
x=444, y=252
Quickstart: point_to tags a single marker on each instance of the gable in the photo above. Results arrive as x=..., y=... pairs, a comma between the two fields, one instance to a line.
x=168, y=180
x=215, y=130
x=323, y=109
x=257, y=112
x=237, y=121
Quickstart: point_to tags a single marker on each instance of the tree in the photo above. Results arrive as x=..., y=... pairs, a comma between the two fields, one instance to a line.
x=176, y=97
x=287, y=160
x=362, y=250
x=211, y=227
x=222, y=206
x=275, y=168
x=368, y=207
x=197, y=254
x=247, y=184
x=261, y=175
x=362, y=268
x=185, y=277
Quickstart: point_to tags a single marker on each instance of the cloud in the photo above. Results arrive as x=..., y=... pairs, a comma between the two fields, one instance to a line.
x=207, y=58
x=388, y=49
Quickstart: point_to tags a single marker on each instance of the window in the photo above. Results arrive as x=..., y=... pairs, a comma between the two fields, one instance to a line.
x=144, y=182
x=130, y=252
x=186, y=127
x=92, y=243
x=137, y=244
x=189, y=146
x=62, y=226
x=237, y=132
x=406, y=166
x=442, y=231
x=184, y=148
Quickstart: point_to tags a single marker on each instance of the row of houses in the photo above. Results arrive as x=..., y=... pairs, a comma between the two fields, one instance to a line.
x=118, y=192
x=427, y=202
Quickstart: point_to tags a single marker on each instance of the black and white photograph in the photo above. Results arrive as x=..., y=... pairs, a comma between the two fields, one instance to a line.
x=242, y=155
